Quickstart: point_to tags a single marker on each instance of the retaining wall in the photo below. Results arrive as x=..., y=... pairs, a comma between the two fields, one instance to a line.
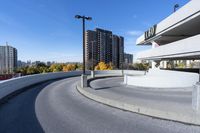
x=156, y=78
x=8, y=87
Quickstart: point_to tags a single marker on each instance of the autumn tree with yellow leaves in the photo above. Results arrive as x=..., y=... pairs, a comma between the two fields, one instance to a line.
x=104, y=66
x=69, y=67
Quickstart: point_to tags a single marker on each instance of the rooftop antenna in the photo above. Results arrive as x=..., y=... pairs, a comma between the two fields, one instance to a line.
x=6, y=43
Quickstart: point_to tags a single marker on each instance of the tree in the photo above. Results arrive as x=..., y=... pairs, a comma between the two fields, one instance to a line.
x=41, y=65
x=56, y=67
x=139, y=66
x=79, y=66
x=110, y=66
x=76, y=66
x=22, y=70
x=43, y=69
x=69, y=67
x=103, y=66
x=32, y=70
x=97, y=67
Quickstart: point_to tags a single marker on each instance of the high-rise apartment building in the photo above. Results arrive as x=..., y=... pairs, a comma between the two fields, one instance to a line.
x=115, y=51
x=8, y=59
x=91, y=48
x=128, y=58
x=121, y=51
x=105, y=47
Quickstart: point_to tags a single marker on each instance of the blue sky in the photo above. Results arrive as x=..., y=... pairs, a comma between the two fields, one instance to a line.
x=46, y=29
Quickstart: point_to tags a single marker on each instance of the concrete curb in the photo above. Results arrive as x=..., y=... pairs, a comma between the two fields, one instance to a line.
x=172, y=116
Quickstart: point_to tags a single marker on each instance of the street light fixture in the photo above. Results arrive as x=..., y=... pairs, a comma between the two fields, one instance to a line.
x=83, y=22
x=175, y=7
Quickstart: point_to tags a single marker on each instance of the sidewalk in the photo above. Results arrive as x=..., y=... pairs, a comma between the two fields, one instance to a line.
x=176, y=106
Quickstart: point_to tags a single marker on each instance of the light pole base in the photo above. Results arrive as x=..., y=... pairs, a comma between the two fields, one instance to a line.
x=196, y=97
x=125, y=79
x=122, y=72
x=93, y=74
x=83, y=81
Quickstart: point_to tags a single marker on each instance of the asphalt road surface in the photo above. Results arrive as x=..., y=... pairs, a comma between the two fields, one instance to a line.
x=57, y=107
x=157, y=98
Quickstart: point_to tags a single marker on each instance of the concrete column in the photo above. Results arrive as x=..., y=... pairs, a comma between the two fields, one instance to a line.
x=125, y=79
x=83, y=81
x=122, y=72
x=153, y=65
x=154, y=45
x=93, y=74
x=164, y=64
x=196, y=97
x=188, y=62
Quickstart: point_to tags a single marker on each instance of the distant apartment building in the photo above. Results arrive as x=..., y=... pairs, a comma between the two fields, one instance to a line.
x=121, y=51
x=115, y=51
x=128, y=58
x=91, y=48
x=48, y=63
x=35, y=63
x=21, y=64
x=102, y=45
x=8, y=59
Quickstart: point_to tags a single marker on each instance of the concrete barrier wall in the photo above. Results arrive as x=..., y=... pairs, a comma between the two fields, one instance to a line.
x=9, y=86
x=163, y=79
x=110, y=72
x=120, y=72
x=134, y=72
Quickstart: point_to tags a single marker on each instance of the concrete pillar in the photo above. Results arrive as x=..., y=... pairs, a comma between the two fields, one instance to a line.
x=154, y=45
x=184, y=62
x=83, y=81
x=188, y=62
x=125, y=79
x=153, y=65
x=93, y=74
x=122, y=72
x=196, y=97
x=164, y=64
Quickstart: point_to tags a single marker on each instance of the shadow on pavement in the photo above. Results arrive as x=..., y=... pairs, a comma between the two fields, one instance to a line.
x=103, y=88
x=18, y=115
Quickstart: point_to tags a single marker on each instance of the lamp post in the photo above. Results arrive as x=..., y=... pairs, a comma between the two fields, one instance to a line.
x=175, y=7
x=83, y=22
x=83, y=77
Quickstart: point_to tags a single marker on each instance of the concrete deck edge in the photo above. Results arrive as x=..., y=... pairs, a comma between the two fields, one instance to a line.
x=172, y=116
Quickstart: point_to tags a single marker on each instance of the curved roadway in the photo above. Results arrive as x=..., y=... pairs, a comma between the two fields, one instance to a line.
x=157, y=98
x=58, y=108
